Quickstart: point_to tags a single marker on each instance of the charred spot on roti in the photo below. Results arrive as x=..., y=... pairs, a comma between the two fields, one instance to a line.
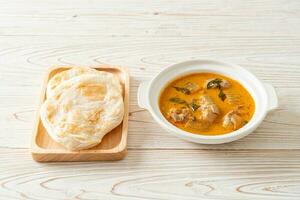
x=95, y=92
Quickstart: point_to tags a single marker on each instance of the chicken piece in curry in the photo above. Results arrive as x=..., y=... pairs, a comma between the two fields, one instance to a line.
x=206, y=104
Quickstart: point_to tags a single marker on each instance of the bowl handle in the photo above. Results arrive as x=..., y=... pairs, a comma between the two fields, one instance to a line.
x=142, y=95
x=272, y=97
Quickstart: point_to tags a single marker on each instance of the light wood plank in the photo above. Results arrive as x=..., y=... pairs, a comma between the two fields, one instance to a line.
x=156, y=174
x=261, y=35
x=151, y=18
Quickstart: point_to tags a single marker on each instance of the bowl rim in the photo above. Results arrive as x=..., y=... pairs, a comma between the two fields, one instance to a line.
x=231, y=136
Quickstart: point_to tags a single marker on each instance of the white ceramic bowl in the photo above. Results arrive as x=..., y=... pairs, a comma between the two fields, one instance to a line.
x=263, y=94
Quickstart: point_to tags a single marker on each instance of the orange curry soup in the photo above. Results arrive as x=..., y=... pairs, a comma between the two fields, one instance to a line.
x=206, y=104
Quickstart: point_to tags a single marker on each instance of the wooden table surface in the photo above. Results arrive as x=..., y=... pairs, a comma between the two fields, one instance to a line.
x=262, y=36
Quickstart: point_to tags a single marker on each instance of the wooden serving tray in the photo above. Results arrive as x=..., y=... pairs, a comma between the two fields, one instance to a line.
x=113, y=145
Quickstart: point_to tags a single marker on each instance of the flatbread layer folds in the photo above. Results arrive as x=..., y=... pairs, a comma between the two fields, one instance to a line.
x=82, y=108
x=66, y=75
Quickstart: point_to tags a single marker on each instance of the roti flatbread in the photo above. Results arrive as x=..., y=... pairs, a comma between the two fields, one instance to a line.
x=81, y=110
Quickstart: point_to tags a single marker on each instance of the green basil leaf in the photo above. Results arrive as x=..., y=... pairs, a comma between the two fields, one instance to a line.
x=222, y=95
x=214, y=83
x=193, y=106
x=177, y=100
x=182, y=90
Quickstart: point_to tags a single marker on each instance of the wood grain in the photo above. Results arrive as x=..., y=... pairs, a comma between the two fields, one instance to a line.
x=261, y=35
x=155, y=174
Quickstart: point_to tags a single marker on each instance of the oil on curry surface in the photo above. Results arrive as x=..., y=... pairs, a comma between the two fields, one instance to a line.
x=206, y=104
